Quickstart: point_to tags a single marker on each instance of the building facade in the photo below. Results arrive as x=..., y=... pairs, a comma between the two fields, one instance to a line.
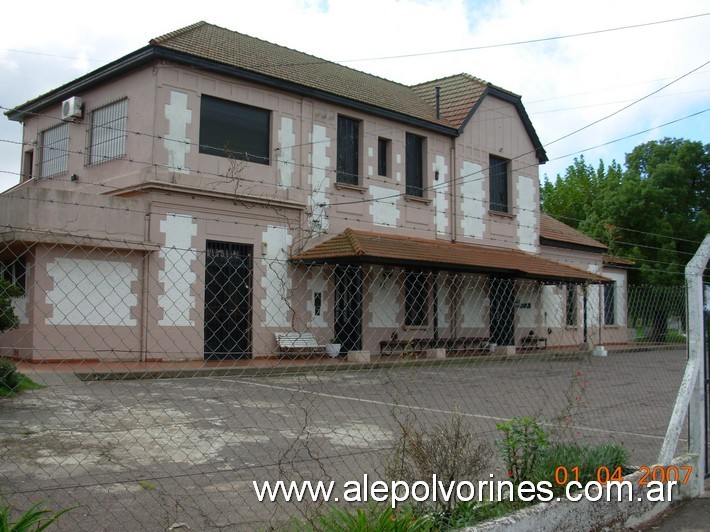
x=199, y=195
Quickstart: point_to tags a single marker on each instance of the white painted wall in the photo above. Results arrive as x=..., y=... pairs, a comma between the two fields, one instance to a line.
x=553, y=305
x=284, y=154
x=473, y=200
x=275, y=280
x=441, y=195
x=383, y=208
x=317, y=284
x=385, y=302
x=19, y=307
x=473, y=303
x=176, y=274
x=443, y=302
x=319, y=180
x=527, y=221
x=91, y=292
x=176, y=142
x=619, y=296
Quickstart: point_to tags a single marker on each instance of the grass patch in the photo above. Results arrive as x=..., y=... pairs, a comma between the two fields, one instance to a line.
x=23, y=383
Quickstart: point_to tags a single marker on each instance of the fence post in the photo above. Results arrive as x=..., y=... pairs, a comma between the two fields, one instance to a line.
x=696, y=409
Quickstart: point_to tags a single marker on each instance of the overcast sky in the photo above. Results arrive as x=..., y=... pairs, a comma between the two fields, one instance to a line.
x=567, y=82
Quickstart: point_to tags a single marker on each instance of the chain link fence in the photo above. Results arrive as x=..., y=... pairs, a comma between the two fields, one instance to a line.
x=172, y=379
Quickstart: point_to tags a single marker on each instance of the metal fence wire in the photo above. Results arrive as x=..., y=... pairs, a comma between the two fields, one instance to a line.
x=173, y=378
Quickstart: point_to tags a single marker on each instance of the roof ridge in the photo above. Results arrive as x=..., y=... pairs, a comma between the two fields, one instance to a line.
x=178, y=32
x=452, y=76
x=354, y=242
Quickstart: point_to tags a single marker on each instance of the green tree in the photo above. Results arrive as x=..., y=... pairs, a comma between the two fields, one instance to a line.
x=655, y=211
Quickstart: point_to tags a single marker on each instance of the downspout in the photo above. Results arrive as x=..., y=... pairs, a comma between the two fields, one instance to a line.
x=144, y=291
x=584, y=297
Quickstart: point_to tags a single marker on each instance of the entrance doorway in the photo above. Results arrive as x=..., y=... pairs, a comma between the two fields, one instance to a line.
x=228, y=273
x=501, y=295
x=348, y=308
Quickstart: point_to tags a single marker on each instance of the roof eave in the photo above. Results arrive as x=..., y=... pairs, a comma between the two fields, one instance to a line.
x=83, y=83
x=157, y=52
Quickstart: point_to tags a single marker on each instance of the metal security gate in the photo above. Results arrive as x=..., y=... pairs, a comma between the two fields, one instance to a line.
x=348, y=308
x=228, y=277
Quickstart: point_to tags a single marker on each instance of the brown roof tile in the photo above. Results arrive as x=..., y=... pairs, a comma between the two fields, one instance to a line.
x=553, y=229
x=262, y=57
x=365, y=246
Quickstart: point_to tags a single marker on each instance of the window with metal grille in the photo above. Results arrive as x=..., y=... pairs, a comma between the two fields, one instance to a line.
x=414, y=165
x=348, y=150
x=383, y=156
x=14, y=271
x=107, y=133
x=572, y=311
x=416, y=298
x=234, y=130
x=498, y=183
x=610, y=304
x=54, y=150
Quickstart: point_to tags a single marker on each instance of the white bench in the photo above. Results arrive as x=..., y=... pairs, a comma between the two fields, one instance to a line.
x=299, y=344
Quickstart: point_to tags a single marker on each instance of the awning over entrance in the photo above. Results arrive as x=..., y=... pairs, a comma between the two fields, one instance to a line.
x=351, y=246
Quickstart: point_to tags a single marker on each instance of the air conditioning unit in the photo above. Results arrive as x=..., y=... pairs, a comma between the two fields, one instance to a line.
x=72, y=108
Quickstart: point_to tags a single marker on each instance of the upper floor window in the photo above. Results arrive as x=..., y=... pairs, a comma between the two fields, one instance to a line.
x=610, y=304
x=54, y=150
x=107, y=133
x=498, y=183
x=383, y=156
x=234, y=130
x=14, y=270
x=572, y=312
x=414, y=165
x=348, y=150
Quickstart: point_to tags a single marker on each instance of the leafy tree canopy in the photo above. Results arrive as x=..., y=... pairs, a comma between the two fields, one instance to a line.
x=655, y=210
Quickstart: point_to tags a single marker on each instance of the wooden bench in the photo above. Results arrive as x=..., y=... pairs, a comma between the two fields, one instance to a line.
x=299, y=344
x=532, y=341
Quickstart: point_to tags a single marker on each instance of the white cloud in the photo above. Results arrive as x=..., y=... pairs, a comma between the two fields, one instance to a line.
x=566, y=83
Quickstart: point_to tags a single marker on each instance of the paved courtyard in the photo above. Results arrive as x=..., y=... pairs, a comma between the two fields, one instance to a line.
x=151, y=454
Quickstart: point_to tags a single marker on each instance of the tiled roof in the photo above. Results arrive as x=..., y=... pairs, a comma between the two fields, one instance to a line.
x=235, y=49
x=458, y=95
x=553, y=229
x=365, y=246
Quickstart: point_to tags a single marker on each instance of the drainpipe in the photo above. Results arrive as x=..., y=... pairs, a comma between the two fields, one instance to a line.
x=144, y=292
x=584, y=297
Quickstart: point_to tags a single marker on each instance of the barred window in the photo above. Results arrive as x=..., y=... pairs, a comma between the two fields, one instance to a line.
x=416, y=298
x=54, y=150
x=610, y=304
x=108, y=132
x=348, y=150
x=14, y=271
x=571, y=305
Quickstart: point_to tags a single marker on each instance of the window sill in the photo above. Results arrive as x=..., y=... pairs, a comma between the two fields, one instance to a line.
x=416, y=327
x=501, y=214
x=348, y=186
x=417, y=199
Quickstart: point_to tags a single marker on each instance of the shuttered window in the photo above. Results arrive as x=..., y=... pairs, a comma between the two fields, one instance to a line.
x=498, y=183
x=348, y=150
x=414, y=165
x=107, y=132
x=234, y=130
x=54, y=151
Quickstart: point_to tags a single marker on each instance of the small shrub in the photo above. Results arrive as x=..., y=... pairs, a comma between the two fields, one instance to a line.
x=380, y=518
x=449, y=450
x=579, y=463
x=523, y=441
x=9, y=378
